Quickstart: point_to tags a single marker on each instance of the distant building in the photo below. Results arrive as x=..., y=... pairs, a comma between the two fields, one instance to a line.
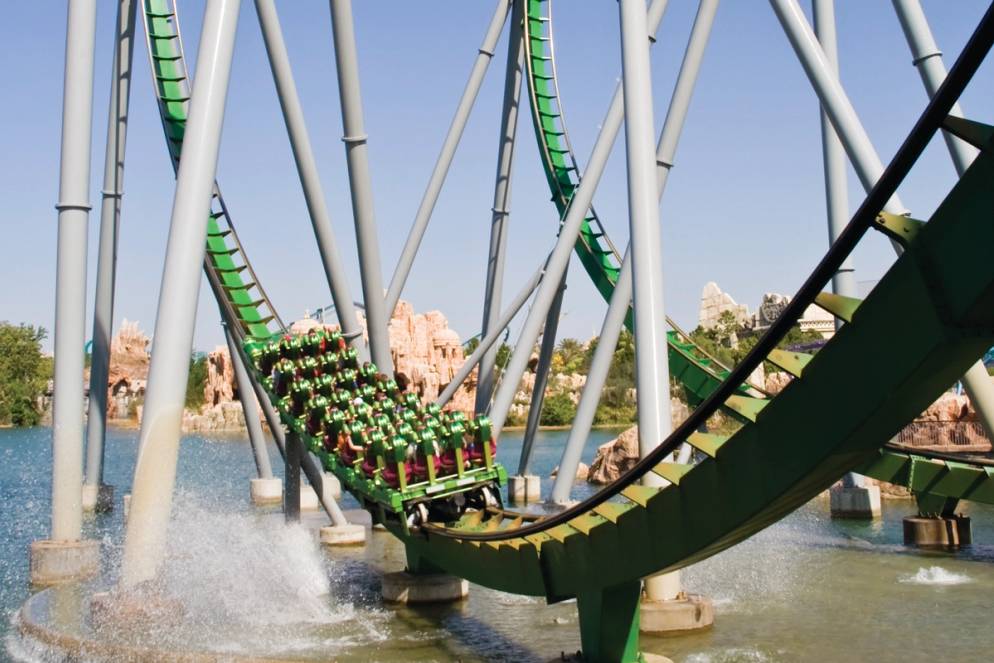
x=714, y=302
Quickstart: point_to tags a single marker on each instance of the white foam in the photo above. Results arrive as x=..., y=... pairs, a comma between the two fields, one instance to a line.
x=935, y=575
x=730, y=654
x=245, y=569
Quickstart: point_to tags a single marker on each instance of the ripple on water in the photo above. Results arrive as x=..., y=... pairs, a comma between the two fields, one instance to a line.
x=935, y=575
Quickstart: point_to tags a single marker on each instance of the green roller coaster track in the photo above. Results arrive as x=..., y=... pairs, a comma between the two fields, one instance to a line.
x=789, y=447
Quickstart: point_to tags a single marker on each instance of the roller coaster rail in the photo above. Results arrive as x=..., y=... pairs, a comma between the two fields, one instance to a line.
x=692, y=494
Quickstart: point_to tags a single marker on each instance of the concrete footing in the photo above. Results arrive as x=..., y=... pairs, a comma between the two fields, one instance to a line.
x=55, y=562
x=343, y=535
x=404, y=587
x=686, y=612
x=98, y=498
x=524, y=489
x=855, y=502
x=266, y=491
x=938, y=531
x=309, y=498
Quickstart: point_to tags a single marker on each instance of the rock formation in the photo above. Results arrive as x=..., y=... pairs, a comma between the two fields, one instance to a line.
x=220, y=384
x=128, y=373
x=428, y=354
x=616, y=457
x=714, y=302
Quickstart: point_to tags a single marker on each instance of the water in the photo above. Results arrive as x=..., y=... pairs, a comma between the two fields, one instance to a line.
x=805, y=589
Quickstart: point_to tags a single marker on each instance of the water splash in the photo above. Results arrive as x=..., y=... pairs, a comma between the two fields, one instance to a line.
x=935, y=575
x=733, y=655
x=243, y=568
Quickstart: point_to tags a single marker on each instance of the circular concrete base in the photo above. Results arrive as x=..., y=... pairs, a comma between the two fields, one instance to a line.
x=404, y=587
x=98, y=498
x=133, y=610
x=688, y=612
x=42, y=627
x=266, y=491
x=938, y=532
x=343, y=535
x=56, y=562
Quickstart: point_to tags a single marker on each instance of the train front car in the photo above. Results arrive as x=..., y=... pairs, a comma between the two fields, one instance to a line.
x=406, y=462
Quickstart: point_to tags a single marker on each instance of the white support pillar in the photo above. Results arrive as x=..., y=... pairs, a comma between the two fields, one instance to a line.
x=158, y=442
x=65, y=556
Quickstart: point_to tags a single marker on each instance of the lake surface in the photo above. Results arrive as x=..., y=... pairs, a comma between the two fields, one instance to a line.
x=807, y=588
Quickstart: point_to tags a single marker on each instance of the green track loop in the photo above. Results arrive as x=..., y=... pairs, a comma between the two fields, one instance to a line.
x=244, y=303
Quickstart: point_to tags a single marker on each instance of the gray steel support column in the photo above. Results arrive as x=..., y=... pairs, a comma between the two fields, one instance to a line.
x=310, y=181
x=928, y=61
x=864, y=158
x=541, y=378
x=836, y=190
x=556, y=264
x=600, y=364
x=110, y=221
x=490, y=340
x=291, y=478
x=485, y=54
x=158, y=443
x=652, y=367
x=250, y=409
x=502, y=201
x=357, y=157
x=70, y=286
x=652, y=375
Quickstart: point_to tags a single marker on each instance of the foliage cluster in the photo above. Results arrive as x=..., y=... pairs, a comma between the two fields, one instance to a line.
x=196, y=382
x=718, y=340
x=24, y=373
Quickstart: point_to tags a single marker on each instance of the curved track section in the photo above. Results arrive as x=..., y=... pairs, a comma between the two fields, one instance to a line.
x=790, y=446
x=797, y=443
x=697, y=372
x=244, y=304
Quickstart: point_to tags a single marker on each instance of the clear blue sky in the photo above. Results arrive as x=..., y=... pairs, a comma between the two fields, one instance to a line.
x=744, y=206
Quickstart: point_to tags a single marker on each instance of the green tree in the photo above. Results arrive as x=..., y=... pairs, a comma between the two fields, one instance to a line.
x=616, y=407
x=23, y=373
x=557, y=410
x=569, y=357
x=196, y=382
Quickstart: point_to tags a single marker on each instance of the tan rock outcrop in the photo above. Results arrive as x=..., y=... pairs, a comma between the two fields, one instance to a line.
x=949, y=407
x=128, y=375
x=220, y=384
x=616, y=457
x=775, y=382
